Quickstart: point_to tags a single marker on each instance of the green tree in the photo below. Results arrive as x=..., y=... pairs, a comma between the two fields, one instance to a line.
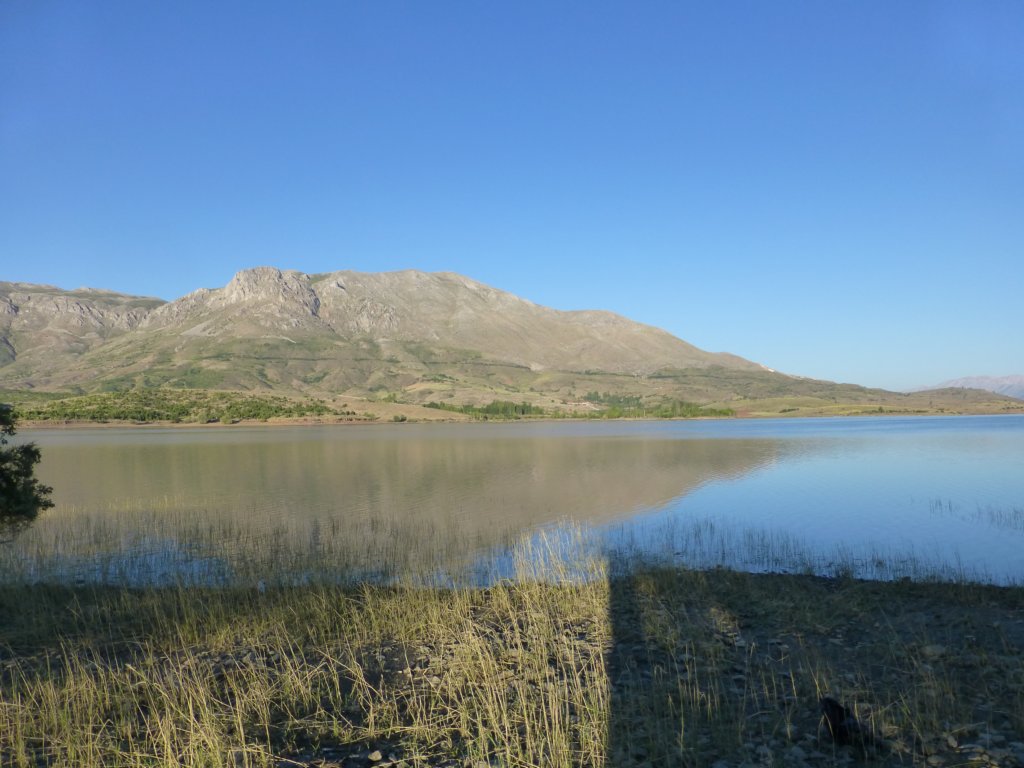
x=22, y=496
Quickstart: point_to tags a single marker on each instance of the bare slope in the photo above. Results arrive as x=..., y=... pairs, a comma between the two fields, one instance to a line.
x=41, y=325
x=440, y=310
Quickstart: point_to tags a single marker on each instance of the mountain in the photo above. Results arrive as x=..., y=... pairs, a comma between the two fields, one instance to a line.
x=408, y=336
x=1011, y=386
x=334, y=330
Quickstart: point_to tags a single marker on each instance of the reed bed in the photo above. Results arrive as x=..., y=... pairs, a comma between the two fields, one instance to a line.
x=169, y=543
x=317, y=647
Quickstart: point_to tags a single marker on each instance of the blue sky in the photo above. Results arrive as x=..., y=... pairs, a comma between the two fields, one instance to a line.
x=833, y=189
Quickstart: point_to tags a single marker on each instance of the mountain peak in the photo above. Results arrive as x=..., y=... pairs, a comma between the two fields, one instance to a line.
x=270, y=285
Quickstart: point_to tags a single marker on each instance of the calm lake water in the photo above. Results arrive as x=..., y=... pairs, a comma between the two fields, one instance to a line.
x=879, y=496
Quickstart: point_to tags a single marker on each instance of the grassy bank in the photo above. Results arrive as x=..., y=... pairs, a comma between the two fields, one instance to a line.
x=658, y=666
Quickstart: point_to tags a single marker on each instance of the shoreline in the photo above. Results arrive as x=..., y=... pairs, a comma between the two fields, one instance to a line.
x=344, y=422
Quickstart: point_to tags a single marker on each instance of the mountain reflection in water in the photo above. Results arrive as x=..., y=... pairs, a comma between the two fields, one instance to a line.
x=449, y=492
x=878, y=497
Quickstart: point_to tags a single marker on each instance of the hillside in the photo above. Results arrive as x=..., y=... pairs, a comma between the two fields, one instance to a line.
x=1011, y=386
x=410, y=337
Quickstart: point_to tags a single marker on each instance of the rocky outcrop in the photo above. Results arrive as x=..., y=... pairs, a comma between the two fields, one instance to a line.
x=38, y=307
x=268, y=286
x=40, y=320
x=262, y=297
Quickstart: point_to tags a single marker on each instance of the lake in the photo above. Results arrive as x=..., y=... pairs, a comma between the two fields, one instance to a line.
x=879, y=497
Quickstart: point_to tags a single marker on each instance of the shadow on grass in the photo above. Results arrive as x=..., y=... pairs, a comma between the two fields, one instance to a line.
x=728, y=668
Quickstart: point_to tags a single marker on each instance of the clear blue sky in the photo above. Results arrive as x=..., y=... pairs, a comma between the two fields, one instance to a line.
x=834, y=189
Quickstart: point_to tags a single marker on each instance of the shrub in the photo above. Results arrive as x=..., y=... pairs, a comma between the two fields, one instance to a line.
x=22, y=496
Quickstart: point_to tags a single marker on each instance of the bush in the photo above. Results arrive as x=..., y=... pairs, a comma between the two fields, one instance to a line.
x=22, y=496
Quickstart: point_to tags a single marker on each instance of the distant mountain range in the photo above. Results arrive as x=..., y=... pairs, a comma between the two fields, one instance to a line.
x=1011, y=386
x=410, y=336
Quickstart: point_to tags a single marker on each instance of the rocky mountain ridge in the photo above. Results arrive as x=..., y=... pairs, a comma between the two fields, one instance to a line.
x=445, y=309
x=43, y=319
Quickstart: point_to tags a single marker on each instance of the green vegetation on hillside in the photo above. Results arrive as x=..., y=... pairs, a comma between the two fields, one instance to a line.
x=496, y=409
x=628, y=407
x=174, y=405
x=615, y=407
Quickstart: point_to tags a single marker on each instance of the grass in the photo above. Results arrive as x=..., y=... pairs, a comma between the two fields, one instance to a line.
x=563, y=656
